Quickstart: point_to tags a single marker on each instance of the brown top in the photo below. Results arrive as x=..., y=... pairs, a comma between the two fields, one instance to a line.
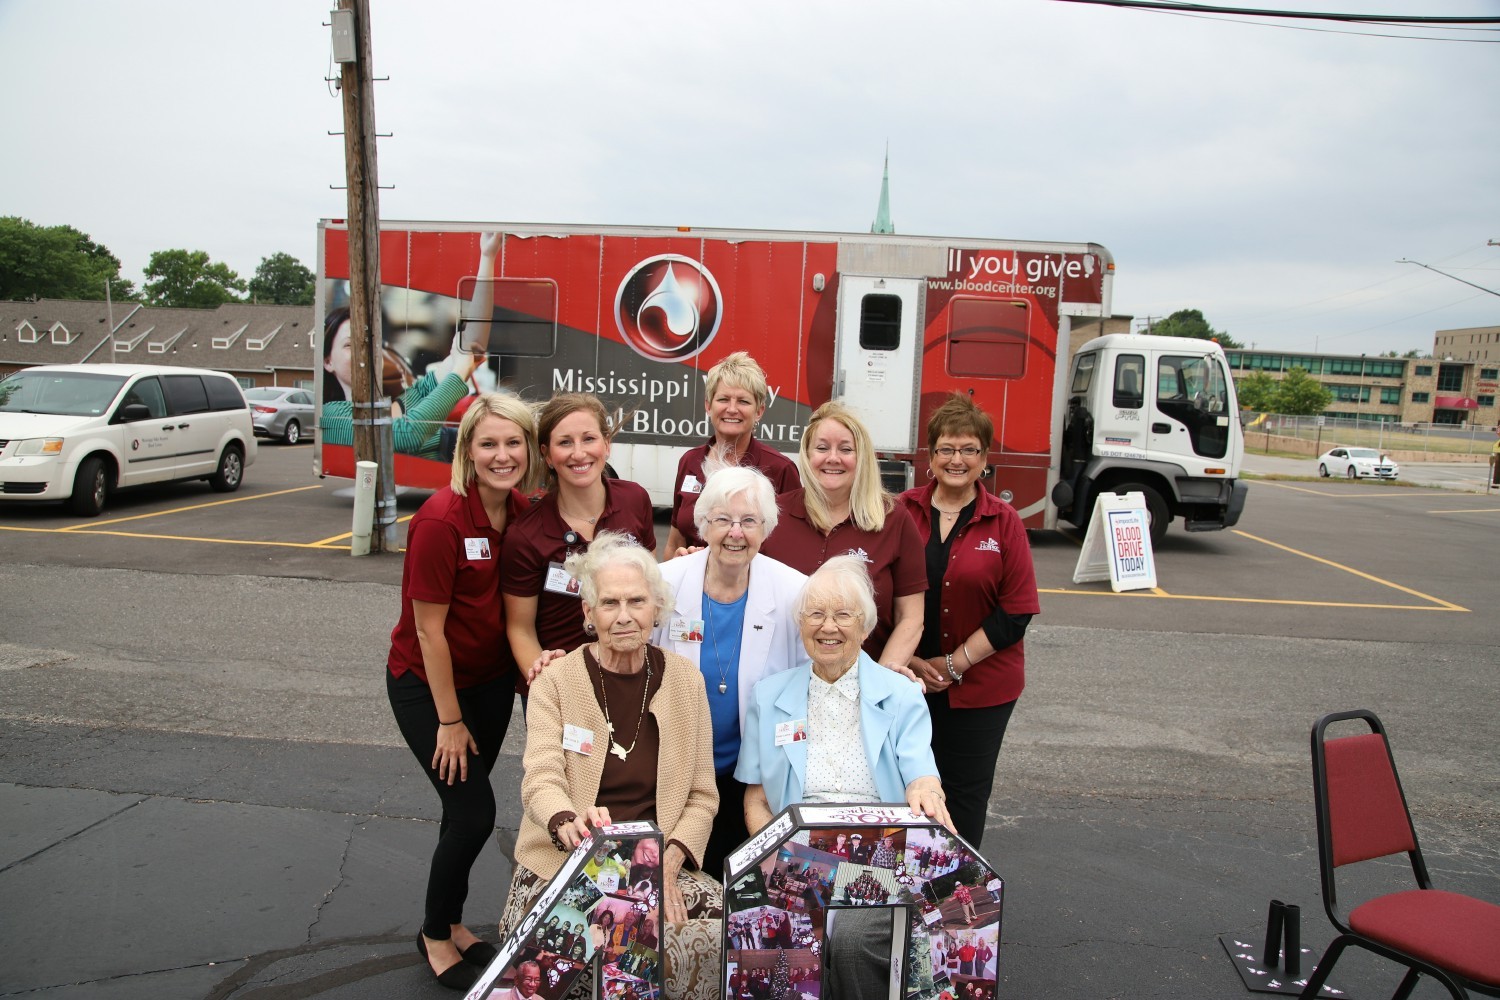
x=627, y=787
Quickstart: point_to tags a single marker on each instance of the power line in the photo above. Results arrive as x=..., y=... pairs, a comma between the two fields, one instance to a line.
x=1332, y=31
x=1199, y=8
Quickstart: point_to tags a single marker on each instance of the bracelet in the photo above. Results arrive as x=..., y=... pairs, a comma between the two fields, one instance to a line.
x=967, y=655
x=948, y=662
x=453, y=723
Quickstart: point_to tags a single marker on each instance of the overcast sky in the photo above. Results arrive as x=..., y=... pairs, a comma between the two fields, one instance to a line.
x=1268, y=176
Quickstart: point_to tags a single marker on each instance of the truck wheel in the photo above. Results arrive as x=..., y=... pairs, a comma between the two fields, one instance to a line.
x=230, y=472
x=293, y=432
x=1156, y=508
x=90, y=488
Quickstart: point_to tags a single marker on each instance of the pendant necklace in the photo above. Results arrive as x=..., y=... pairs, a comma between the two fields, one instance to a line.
x=614, y=744
x=723, y=675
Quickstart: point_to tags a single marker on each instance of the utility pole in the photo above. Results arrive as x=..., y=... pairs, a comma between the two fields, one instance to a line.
x=372, y=410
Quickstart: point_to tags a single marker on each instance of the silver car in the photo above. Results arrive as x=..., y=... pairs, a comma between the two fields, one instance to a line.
x=281, y=412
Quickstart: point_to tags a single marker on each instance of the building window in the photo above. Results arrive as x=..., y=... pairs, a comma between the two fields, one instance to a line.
x=26, y=333
x=1424, y=371
x=1421, y=397
x=1350, y=393
x=1450, y=378
x=245, y=383
x=1390, y=397
x=1489, y=374
x=1486, y=400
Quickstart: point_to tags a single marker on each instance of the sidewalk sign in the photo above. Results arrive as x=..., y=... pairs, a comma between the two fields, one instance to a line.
x=1117, y=545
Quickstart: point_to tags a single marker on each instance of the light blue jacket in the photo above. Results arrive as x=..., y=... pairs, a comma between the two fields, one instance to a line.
x=893, y=722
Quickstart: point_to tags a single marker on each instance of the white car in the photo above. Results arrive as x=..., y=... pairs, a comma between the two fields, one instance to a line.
x=1357, y=463
x=76, y=433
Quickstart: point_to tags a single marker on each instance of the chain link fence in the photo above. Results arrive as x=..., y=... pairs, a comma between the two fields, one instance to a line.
x=1404, y=442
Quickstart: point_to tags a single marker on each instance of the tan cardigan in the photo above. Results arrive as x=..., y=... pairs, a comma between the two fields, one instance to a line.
x=558, y=780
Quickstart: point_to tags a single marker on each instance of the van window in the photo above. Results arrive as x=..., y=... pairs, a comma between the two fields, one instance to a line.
x=1130, y=376
x=987, y=338
x=880, y=322
x=66, y=393
x=223, y=393
x=147, y=392
x=185, y=394
x=1083, y=374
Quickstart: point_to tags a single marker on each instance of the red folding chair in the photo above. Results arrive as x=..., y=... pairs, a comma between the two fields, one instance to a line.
x=1362, y=815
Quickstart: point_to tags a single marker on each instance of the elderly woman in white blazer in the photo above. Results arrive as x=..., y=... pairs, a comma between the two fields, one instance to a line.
x=733, y=618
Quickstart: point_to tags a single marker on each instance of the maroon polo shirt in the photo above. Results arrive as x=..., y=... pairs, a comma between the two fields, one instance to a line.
x=989, y=566
x=453, y=558
x=893, y=556
x=538, y=540
x=780, y=470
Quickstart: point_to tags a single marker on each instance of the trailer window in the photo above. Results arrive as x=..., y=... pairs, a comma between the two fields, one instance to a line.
x=1083, y=374
x=880, y=323
x=987, y=338
x=524, y=321
x=1130, y=376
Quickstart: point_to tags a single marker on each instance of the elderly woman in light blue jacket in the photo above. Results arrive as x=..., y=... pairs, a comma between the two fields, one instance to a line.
x=733, y=618
x=843, y=728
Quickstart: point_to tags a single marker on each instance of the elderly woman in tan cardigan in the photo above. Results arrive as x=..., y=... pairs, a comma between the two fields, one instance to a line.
x=619, y=731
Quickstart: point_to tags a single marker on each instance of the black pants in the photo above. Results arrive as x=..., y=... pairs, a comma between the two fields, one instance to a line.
x=469, y=805
x=966, y=743
x=729, y=825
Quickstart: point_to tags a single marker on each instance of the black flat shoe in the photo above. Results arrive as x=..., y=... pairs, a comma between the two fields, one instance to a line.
x=480, y=953
x=458, y=976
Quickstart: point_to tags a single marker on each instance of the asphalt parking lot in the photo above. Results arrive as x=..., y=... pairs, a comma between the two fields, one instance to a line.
x=205, y=795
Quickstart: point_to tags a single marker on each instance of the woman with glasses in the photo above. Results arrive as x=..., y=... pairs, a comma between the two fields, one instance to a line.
x=980, y=598
x=842, y=510
x=732, y=617
x=840, y=696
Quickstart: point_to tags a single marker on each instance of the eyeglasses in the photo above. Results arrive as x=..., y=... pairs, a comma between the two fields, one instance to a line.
x=948, y=451
x=841, y=618
x=747, y=523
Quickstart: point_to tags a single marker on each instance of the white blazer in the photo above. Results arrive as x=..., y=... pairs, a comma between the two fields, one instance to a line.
x=770, y=642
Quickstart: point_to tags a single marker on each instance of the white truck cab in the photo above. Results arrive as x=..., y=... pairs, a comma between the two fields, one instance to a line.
x=1155, y=415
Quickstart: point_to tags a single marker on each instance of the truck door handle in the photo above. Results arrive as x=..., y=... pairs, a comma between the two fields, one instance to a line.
x=1161, y=428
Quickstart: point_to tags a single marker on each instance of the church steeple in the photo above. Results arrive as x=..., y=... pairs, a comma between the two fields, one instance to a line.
x=882, y=223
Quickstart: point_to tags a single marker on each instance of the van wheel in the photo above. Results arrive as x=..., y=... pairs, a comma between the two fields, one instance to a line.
x=90, y=488
x=293, y=432
x=230, y=472
x=1156, y=508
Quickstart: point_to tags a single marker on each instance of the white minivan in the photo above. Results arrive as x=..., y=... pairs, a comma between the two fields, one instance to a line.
x=76, y=433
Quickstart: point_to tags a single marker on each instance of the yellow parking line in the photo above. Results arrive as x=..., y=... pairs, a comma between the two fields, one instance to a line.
x=349, y=534
x=1349, y=569
x=1445, y=606
x=1325, y=493
x=193, y=538
x=84, y=526
x=1477, y=510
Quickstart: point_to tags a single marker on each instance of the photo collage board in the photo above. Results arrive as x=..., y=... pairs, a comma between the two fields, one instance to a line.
x=798, y=892
x=602, y=908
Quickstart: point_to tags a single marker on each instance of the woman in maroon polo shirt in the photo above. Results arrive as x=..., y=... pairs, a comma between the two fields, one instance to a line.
x=842, y=510
x=735, y=401
x=449, y=673
x=543, y=609
x=980, y=598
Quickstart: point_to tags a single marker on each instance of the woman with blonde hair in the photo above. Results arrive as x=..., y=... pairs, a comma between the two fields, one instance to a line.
x=735, y=399
x=843, y=510
x=449, y=673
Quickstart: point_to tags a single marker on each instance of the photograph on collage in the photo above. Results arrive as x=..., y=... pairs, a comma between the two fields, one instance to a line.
x=581, y=893
x=864, y=885
x=620, y=985
x=965, y=897
x=538, y=974
x=932, y=852
x=799, y=878
x=618, y=925
x=565, y=932
x=872, y=845
x=774, y=974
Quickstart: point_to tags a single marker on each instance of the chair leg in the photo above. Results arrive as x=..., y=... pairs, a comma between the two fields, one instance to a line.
x=1408, y=983
x=1325, y=966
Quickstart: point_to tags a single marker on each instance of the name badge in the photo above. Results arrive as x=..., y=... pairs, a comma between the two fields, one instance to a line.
x=690, y=484
x=791, y=732
x=477, y=548
x=686, y=630
x=578, y=740
x=559, y=582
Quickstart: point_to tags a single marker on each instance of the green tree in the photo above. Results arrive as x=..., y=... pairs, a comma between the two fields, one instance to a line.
x=1256, y=391
x=1190, y=323
x=56, y=262
x=1300, y=395
x=187, y=278
x=282, y=280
